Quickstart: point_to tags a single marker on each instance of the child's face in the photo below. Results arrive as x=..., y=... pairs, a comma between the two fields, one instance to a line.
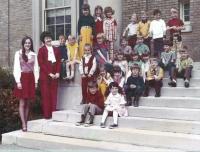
x=133, y=18
x=174, y=14
x=109, y=14
x=71, y=41
x=99, y=39
x=184, y=55
x=62, y=40
x=120, y=57
x=47, y=40
x=114, y=90
x=93, y=90
x=85, y=12
x=145, y=58
x=124, y=43
x=140, y=40
x=98, y=12
x=154, y=64
x=166, y=48
x=157, y=16
x=27, y=44
x=87, y=50
x=135, y=57
x=135, y=71
x=143, y=17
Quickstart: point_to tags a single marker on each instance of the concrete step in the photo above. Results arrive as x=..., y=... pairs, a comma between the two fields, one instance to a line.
x=187, y=142
x=57, y=143
x=170, y=102
x=195, y=82
x=180, y=126
x=195, y=73
x=178, y=92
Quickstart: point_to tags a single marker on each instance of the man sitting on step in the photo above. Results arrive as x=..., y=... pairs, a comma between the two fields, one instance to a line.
x=94, y=104
x=183, y=69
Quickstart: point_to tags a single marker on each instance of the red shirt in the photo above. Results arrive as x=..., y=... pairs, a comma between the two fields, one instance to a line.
x=96, y=99
x=175, y=22
x=98, y=26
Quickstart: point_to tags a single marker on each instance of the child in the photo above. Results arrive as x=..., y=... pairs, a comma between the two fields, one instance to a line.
x=87, y=68
x=175, y=25
x=141, y=48
x=103, y=80
x=72, y=47
x=183, y=69
x=168, y=58
x=64, y=57
x=154, y=78
x=110, y=28
x=126, y=49
x=94, y=104
x=98, y=17
x=115, y=102
x=157, y=31
x=145, y=65
x=118, y=76
x=121, y=63
x=101, y=50
x=135, y=86
x=131, y=31
x=86, y=26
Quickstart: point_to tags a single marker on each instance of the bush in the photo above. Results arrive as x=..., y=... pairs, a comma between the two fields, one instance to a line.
x=9, y=114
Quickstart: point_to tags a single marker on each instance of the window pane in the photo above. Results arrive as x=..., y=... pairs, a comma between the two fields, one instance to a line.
x=68, y=19
x=186, y=18
x=186, y=12
x=67, y=29
x=50, y=17
x=50, y=3
x=60, y=16
x=67, y=2
x=59, y=3
x=59, y=30
x=51, y=29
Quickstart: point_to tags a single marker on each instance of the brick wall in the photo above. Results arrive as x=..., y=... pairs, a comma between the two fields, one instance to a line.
x=191, y=39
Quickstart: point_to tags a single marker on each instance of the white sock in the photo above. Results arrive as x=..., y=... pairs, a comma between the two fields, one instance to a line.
x=105, y=114
x=115, y=117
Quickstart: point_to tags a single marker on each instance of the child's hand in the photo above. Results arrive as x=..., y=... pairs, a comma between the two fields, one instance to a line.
x=83, y=75
x=36, y=85
x=89, y=75
x=19, y=85
x=132, y=86
x=52, y=75
x=57, y=75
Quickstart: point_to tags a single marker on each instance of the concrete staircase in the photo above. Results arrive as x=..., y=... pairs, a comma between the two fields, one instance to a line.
x=169, y=123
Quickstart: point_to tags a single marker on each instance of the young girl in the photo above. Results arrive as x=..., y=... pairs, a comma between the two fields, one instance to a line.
x=87, y=68
x=26, y=77
x=86, y=26
x=118, y=76
x=103, y=80
x=98, y=17
x=126, y=49
x=131, y=31
x=110, y=28
x=72, y=47
x=115, y=102
x=101, y=50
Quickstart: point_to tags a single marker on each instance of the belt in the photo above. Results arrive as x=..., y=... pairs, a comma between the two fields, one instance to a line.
x=86, y=27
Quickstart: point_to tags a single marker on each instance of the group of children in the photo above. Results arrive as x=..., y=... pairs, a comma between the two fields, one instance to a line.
x=113, y=79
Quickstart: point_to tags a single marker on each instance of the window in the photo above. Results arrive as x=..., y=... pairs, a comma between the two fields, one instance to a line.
x=185, y=14
x=58, y=17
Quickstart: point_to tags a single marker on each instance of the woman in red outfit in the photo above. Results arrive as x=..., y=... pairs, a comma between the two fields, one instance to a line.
x=49, y=62
x=26, y=74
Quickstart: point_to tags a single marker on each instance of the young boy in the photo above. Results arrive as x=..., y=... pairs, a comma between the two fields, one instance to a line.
x=157, y=31
x=168, y=58
x=154, y=78
x=126, y=49
x=64, y=56
x=140, y=47
x=72, y=47
x=135, y=86
x=93, y=105
x=87, y=68
x=183, y=69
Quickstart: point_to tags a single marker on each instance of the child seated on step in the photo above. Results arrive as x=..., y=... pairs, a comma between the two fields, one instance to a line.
x=135, y=86
x=114, y=103
x=183, y=69
x=145, y=65
x=94, y=104
x=64, y=56
x=168, y=58
x=72, y=47
x=154, y=78
x=126, y=49
x=118, y=76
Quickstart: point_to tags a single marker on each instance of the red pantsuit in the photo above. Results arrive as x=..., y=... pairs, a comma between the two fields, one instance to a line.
x=48, y=86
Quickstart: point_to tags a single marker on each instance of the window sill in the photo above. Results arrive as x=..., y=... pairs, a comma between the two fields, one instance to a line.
x=188, y=28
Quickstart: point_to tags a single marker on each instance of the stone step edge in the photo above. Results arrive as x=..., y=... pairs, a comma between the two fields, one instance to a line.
x=17, y=135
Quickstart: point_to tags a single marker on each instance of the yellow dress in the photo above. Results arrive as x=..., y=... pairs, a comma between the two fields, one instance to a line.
x=71, y=49
x=86, y=32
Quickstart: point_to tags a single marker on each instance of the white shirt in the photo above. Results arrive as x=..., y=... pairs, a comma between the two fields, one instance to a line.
x=157, y=29
x=132, y=29
x=51, y=55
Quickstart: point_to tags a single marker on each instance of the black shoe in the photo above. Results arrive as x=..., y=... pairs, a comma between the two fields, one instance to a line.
x=157, y=95
x=102, y=125
x=187, y=84
x=113, y=126
x=82, y=121
x=172, y=84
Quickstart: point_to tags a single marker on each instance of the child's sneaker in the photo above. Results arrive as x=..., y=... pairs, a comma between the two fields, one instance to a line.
x=113, y=126
x=172, y=83
x=186, y=83
x=102, y=125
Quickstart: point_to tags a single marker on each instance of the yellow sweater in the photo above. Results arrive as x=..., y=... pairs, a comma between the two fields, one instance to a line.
x=143, y=29
x=157, y=71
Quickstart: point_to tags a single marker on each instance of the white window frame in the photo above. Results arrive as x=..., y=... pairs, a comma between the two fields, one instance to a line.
x=74, y=17
x=187, y=24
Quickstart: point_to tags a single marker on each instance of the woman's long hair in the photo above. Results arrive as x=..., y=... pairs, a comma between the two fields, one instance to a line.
x=24, y=56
